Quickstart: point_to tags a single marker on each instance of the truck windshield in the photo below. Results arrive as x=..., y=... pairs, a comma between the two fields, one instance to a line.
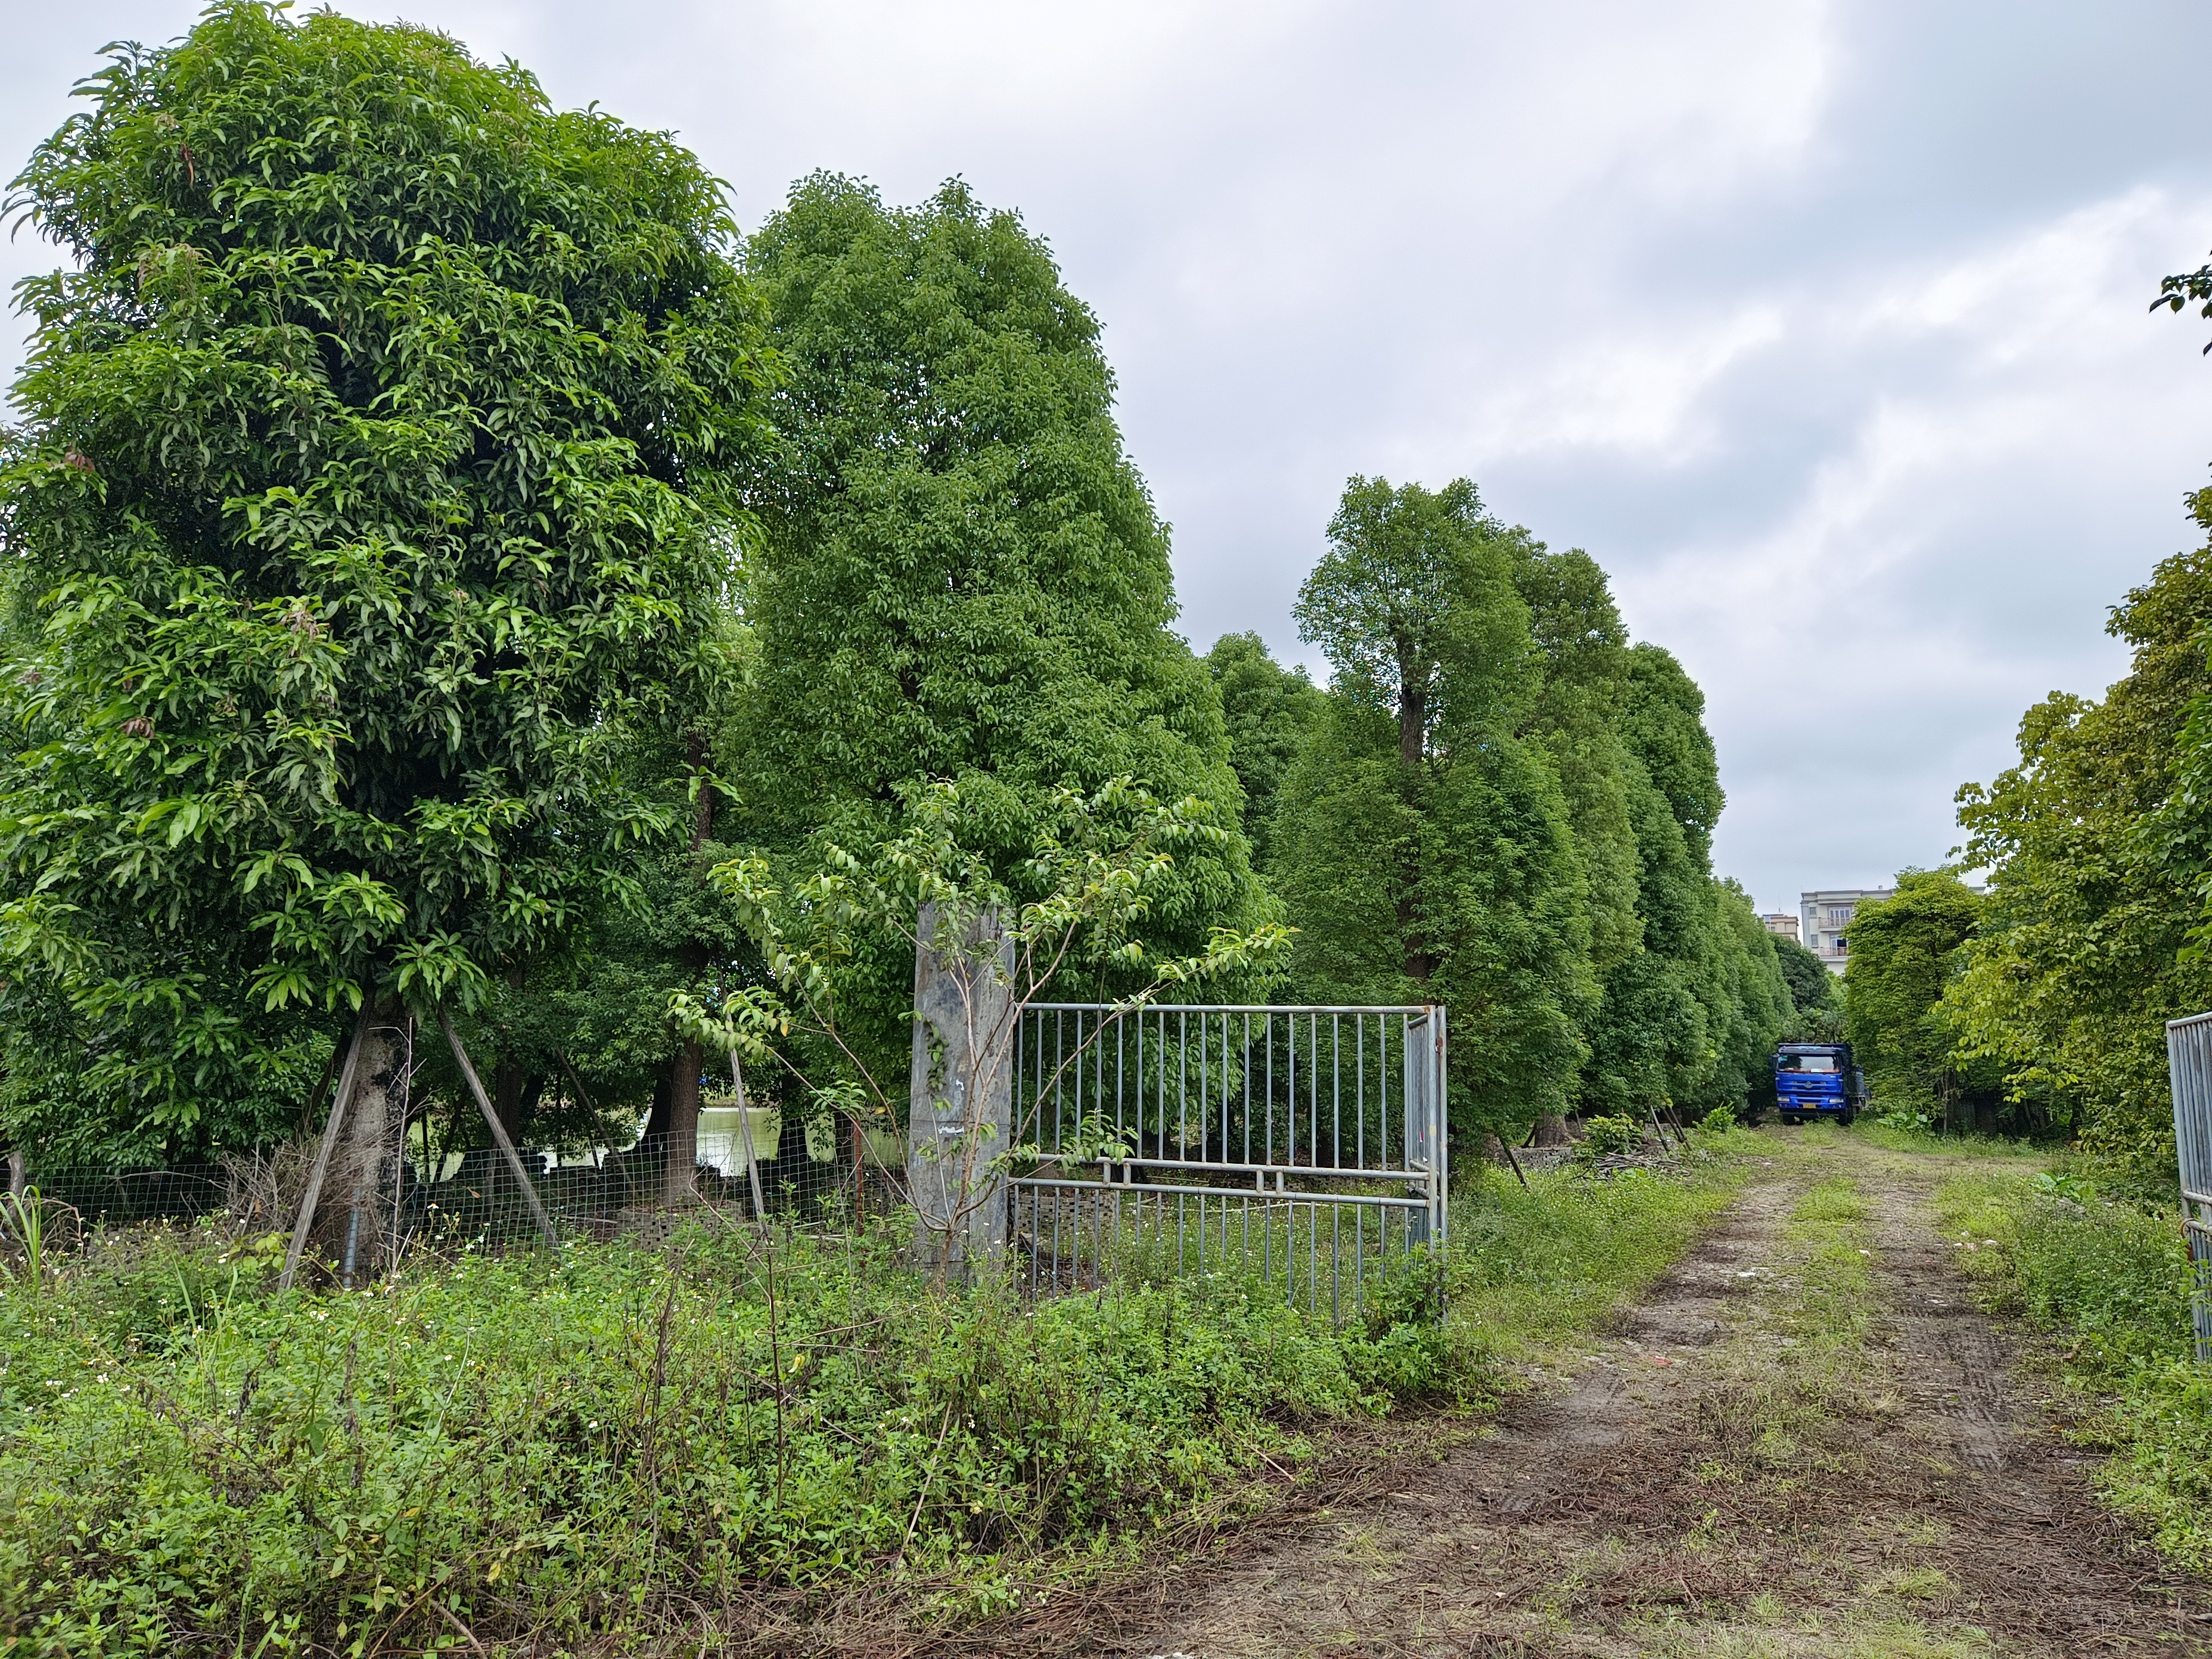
x=1808, y=1063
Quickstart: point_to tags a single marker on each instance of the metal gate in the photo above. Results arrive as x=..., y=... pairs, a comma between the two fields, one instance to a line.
x=2188, y=1064
x=1301, y=1148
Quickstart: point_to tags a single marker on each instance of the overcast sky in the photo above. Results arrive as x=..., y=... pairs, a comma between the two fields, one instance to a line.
x=1822, y=327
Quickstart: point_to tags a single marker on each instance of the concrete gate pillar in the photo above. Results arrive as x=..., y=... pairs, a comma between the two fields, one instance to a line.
x=961, y=1116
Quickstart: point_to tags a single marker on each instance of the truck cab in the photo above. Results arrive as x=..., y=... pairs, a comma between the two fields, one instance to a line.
x=1817, y=1080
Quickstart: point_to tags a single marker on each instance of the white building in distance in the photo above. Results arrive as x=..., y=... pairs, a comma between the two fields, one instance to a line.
x=1783, y=924
x=1824, y=914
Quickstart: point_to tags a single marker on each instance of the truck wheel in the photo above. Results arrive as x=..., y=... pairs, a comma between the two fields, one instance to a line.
x=1850, y=1115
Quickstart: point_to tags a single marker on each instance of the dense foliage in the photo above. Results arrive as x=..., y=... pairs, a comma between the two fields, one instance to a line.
x=1269, y=711
x=2095, y=881
x=367, y=513
x=961, y=575
x=1906, y=951
x=1506, y=805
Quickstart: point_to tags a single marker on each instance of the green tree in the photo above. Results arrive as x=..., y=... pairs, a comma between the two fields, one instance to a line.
x=1425, y=849
x=369, y=502
x=1811, y=985
x=1905, y=952
x=1269, y=711
x=1576, y=717
x=1673, y=1021
x=2082, y=956
x=1757, y=1008
x=961, y=576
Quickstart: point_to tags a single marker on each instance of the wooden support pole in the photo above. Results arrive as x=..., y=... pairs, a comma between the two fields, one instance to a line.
x=583, y=1095
x=1514, y=1162
x=498, y=1129
x=330, y=1128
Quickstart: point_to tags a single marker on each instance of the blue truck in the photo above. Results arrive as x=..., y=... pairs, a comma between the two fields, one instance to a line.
x=1814, y=1080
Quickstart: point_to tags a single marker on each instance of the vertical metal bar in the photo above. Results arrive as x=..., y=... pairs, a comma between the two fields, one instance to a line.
x=1246, y=1068
x=1267, y=1094
x=1313, y=1086
x=1359, y=1260
x=1203, y=1156
x=1336, y=1091
x=1182, y=1095
x=1291, y=1088
x=1078, y=1086
x=1225, y=1088
x=1404, y=1094
x=1121, y=1074
x=1359, y=1042
x=1162, y=1062
x=1335, y=1266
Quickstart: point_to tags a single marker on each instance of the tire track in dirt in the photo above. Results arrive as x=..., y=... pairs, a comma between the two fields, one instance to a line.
x=2052, y=1570
x=1932, y=1511
x=1454, y=1561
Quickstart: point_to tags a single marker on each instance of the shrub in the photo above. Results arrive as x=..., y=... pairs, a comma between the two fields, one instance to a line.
x=564, y=1448
x=1611, y=1136
x=1718, y=1121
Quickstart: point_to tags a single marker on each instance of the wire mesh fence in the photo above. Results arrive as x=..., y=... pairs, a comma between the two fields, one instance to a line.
x=423, y=1196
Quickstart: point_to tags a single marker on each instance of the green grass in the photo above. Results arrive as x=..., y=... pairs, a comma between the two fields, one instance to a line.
x=1532, y=1269
x=2109, y=1282
x=1897, y=1137
x=589, y=1453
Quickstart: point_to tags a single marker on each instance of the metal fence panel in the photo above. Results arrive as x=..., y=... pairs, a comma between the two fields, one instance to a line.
x=1301, y=1146
x=2189, y=1065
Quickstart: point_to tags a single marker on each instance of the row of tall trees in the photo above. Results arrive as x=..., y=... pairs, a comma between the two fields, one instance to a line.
x=1502, y=804
x=437, y=541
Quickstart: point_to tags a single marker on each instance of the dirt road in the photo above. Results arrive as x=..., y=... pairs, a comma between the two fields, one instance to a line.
x=1805, y=1440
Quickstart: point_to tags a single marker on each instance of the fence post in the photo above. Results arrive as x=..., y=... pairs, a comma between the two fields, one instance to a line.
x=962, y=1091
x=2191, y=1077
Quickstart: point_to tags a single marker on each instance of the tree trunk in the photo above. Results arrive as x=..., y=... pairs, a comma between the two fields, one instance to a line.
x=680, y=1182
x=683, y=1123
x=1551, y=1131
x=1413, y=726
x=702, y=817
x=507, y=1084
x=1412, y=721
x=371, y=1133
